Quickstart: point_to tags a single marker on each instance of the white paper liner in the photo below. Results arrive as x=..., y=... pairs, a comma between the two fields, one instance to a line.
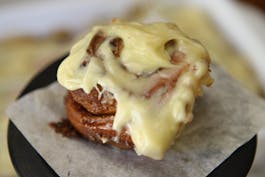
x=226, y=117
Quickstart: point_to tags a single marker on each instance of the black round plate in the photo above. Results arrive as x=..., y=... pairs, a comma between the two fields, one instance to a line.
x=28, y=163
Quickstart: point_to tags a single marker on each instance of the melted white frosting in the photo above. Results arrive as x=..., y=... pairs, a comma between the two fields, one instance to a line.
x=151, y=110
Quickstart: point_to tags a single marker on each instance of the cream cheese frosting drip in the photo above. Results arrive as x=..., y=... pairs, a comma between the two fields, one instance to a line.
x=154, y=72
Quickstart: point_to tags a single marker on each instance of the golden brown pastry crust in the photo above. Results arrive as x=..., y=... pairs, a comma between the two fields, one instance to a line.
x=94, y=127
x=95, y=103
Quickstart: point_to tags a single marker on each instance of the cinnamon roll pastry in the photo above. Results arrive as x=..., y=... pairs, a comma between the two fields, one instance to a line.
x=134, y=85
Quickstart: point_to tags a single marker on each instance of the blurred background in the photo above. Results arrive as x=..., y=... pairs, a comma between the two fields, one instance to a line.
x=35, y=33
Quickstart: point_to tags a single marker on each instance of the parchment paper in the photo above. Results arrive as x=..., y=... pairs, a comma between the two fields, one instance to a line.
x=224, y=118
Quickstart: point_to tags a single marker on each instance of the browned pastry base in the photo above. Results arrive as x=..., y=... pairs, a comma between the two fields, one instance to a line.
x=95, y=127
x=95, y=103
